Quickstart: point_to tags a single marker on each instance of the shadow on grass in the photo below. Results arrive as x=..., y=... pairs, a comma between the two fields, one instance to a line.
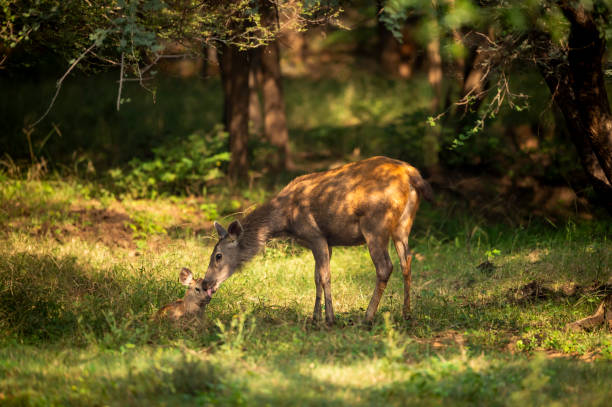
x=50, y=298
x=121, y=379
x=178, y=378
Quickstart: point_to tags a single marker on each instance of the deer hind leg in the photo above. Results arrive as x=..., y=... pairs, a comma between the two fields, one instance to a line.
x=377, y=245
x=322, y=254
x=400, y=238
x=403, y=252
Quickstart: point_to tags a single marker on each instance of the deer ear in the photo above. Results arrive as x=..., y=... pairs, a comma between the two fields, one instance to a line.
x=185, y=276
x=220, y=230
x=235, y=229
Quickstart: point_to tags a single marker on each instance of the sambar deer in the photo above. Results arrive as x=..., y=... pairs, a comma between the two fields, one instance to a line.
x=192, y=302
x=368, y=201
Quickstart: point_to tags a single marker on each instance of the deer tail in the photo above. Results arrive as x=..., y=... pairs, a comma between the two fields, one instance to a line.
x=422, y=187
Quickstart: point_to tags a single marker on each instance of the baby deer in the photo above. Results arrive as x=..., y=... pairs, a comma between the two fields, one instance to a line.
x=192, y=302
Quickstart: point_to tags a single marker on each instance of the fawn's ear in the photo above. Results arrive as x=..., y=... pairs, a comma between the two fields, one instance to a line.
x=220, y=230
x=185, y=276
x=234, y=229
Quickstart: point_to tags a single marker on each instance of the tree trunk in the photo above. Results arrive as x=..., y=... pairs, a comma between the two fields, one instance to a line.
x=578, y=89
x=255, y=114
x=475, y=82
x=585, y=57
x=275, y=120
x=224, y=56
x=388, y=48
x=210, y=67
x=235, y=77
x=431, y=141
x=458, y=60
x=296, y=47
x=395, y=58
x=474, y=86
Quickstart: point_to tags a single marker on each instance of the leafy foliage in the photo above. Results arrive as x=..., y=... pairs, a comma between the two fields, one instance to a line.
x=509, y=36
x=184, y=167
x=136, y=32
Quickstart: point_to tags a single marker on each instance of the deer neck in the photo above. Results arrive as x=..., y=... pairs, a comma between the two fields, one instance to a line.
x=261, y=225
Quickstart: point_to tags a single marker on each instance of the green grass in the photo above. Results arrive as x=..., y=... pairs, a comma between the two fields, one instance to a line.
x=76, y=327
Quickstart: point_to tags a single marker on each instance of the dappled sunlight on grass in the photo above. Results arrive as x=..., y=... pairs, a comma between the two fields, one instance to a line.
x=141, y=376
x=76, y=325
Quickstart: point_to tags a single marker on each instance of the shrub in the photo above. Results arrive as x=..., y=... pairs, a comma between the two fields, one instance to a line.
x=179, y=168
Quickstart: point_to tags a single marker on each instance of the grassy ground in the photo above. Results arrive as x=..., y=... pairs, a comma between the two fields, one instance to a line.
x=80, y=279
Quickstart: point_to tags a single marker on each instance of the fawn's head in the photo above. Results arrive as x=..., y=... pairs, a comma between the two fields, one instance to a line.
x=194, y=295
x=225, y=258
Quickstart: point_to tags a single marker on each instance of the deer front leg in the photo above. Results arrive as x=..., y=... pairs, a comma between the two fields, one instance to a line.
x=316, y=314
x=321, y=253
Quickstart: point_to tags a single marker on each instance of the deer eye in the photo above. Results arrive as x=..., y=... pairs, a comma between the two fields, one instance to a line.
x=197, y=289
x=218, y=256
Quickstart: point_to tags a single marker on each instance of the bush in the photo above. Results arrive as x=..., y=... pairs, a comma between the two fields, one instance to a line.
x=183, y=168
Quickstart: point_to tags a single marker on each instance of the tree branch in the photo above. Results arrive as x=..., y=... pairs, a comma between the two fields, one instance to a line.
x=120, y=82
x=59, y=84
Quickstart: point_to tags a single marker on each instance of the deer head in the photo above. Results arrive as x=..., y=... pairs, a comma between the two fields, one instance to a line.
x=226, y=257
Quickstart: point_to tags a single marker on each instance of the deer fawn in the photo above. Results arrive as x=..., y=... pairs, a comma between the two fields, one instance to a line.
x=192, y=302
x=367, y=201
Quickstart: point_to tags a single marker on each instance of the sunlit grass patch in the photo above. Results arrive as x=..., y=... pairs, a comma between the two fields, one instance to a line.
x=77, y=326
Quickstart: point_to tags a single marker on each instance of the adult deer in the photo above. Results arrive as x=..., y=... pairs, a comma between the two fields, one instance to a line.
x=367, y=201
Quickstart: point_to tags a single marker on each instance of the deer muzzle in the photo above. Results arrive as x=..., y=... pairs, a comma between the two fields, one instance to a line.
x=209, y=287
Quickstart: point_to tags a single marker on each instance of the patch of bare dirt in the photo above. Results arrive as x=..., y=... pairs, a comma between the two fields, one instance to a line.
x=179, y=217
x=444, y=339
x=536, y=255
x=114, y=225
x=585, y=357
x=538, y=290
x=105, y=225
x=529, y=292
